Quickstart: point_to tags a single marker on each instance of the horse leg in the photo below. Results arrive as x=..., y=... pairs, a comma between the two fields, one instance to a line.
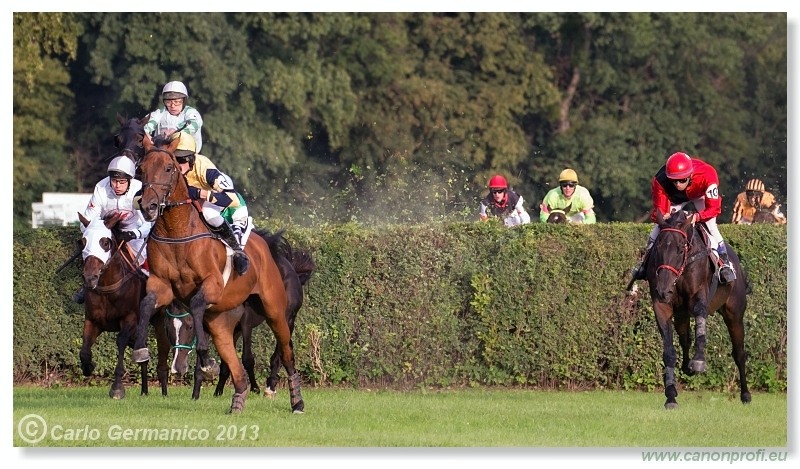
x=221, y=328
x=685, y=340
x=117, y=389
x=198, y=379
x=90, y=334
x=700, y=313
x=162, y=368
x=663, y=315
x=146, y=310
x=224, y=374
x=248, y=360
x=274, y=369
x=208, y=366
x=283, y=341
x=225, y=371
x=735, y=324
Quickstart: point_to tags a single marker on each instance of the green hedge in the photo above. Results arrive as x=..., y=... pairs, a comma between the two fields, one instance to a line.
x=452, y=304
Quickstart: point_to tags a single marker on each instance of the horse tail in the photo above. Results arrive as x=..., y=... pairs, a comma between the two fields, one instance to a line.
x=279, y=246
x=303, y=264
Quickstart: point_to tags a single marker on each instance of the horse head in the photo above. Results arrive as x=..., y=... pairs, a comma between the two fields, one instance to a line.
x=670, y=254
x=771, y=214
x=160, y=175
x=558, y=215
x=97, y=243
x=128, y=140
x=179, y=327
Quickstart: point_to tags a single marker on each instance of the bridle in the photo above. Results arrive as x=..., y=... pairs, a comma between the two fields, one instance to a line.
x=679, y=271
x=105, y=289
x=170, y=314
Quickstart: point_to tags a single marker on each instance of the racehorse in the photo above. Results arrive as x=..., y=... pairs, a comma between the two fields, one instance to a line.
x=684, y=284
x=128, y=140
x=188, y=263
x=114, y=288
x=296, y=268
x=769, y=215
x=558, y=215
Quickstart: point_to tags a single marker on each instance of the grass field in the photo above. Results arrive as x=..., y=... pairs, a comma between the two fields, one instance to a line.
x=346, y=418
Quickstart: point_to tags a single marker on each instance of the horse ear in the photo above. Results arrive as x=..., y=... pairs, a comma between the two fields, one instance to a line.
x=84, y=220
x=147, y=142
x=120, y=119
x=659, y=217
x=144, y=119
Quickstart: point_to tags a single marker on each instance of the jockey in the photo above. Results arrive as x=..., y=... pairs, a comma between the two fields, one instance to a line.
x=115, y=194
x=215, y=189
x=754, y=197
x=569, y=194
x=681, y=180
x=504, y=203
x=175, y=113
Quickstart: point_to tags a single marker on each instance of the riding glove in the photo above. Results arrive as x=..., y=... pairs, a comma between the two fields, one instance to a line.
x=128, y=235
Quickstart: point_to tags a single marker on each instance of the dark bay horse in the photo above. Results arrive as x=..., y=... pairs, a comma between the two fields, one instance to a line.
x=558, y=215
x=128, y=140
x=114, y=288
x=684, y=285
x=188, y=263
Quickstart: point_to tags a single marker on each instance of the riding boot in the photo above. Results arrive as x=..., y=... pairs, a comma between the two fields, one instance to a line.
x=78, y=296
x=240, y=260
x=726, y=272
x=639, y=272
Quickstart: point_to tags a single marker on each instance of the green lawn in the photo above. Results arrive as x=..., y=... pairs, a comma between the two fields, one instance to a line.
x=345, y=418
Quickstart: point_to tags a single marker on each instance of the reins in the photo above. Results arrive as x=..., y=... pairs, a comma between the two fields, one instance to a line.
x=165, y=204
x=105, y=289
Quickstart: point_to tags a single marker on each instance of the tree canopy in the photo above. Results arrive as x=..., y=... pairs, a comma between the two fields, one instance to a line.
x=400, y=117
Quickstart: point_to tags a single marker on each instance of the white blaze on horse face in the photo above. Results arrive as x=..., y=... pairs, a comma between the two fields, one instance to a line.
x=93, y=234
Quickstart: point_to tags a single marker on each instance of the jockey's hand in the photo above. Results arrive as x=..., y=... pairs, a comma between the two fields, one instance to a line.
x=128, y=235
x=694, y=218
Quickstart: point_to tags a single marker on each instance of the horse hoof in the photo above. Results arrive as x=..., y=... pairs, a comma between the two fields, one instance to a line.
x=210, y=371
x=299, y=407
x=671, y=405
x=746, y=398
x=116, y=394
x=698, y=366
x=270, y=393
x=237, y=403
x=141, y=355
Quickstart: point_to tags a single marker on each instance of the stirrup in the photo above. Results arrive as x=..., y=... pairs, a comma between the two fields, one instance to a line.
x=726, y=274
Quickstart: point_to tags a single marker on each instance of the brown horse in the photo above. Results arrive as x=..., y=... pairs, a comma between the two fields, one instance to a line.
x=558, y=215
x=114, y=288
x=683, y=285
x=296, y=268
x=188, y=263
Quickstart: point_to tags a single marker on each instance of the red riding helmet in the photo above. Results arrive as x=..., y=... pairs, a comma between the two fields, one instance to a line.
x=498, y=182
x=679, y=166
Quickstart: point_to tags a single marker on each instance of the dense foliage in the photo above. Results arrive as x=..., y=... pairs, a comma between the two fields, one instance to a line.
x=451, y=304
x=402, y=117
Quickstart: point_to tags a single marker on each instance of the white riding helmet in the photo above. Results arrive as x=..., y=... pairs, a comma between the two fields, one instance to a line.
x=121, y=166
x=174, y=90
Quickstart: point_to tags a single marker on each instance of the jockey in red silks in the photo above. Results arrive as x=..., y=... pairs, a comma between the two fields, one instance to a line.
x=681, y=180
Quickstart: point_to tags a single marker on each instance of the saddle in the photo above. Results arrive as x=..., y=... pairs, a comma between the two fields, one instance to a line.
x=711, y=250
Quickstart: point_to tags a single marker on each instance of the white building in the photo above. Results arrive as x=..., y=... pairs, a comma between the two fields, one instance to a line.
x=58, y=209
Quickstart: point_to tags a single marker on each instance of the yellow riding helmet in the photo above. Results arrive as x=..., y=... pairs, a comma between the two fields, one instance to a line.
x=186, y=145
x=754, y=185
x=568, y=175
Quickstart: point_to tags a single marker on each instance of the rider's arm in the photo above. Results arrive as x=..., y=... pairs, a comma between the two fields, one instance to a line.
x=523, y=215
x=738, y=209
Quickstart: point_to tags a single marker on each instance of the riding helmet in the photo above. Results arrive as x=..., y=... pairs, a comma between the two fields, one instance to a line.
x=174, y=90
x=186, y=147
x=121, y=167
x=754, y=185
x=568, y=175
x=498, y=182
x=679, y=166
